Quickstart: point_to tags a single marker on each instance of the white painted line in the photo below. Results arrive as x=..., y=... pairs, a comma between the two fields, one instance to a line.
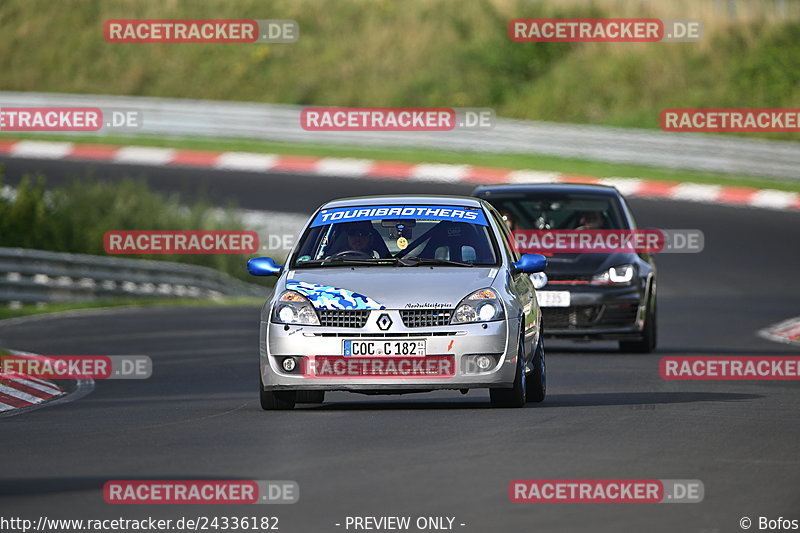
x=533, y=176
x=50, y=389
x=773, y=199
x=340, y=166
x=143, y=155
x=439, y=172
x=39, y=381
x=696, y=192
x=5, y=407
x=246, y=161
x=11, y=391
x=41, y=149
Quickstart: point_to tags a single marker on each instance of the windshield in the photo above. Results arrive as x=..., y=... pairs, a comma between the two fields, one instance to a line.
x=560, y=212
x=391, y=235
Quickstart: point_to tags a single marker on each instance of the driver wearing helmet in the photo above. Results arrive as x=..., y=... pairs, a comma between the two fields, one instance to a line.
x=360, y=239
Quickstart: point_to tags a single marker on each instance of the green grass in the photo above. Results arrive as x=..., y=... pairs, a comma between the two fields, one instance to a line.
x=74, y=218
x=27, y=310
x=416, y=155
x=417, y=53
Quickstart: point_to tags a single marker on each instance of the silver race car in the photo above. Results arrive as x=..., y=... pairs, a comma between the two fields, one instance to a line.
x=402, y=294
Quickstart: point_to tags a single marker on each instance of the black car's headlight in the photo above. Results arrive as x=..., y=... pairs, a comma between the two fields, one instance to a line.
x=294, y=308
x=618, y=275
x=480, y=306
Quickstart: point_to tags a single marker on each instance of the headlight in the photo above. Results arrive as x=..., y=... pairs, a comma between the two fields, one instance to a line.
x=480, y=306
x=294, y=308
x=619, y=274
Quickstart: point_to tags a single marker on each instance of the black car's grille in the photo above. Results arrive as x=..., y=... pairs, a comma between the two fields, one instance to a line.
x=619, y=315
x=563, y=317
x=347, y=318
x=589, y=316
x=566, y=279
x=423, y=318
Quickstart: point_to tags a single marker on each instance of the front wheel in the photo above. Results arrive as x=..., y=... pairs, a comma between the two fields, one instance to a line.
x=281, y=400
x=514, y=396
x=647, y=343
x=536, y=386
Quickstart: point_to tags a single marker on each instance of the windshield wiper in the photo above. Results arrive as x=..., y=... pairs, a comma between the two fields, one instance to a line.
x=416, y=261
x=345, y=261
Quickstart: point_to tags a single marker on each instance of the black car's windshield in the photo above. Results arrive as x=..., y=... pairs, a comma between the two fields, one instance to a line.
x=398, y=236
x=560, y=212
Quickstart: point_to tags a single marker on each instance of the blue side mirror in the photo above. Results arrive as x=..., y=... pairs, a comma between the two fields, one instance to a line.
x=531, y=263
x=263, y=266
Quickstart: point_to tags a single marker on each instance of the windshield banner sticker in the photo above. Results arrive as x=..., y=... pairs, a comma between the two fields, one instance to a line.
x=428, y=212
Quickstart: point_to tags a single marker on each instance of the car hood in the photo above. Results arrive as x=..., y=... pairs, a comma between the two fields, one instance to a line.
x=586, y=264
x=388, y=287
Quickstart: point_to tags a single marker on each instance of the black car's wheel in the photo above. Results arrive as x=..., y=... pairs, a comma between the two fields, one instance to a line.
x=514, y=396
x=536, y=386
x=276, y=400
x=648, y=341
x=311, y=396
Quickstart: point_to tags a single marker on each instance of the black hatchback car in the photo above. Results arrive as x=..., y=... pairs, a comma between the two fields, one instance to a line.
x=585, y=296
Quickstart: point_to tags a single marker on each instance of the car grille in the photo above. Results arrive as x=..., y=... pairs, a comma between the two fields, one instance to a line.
x=589, y=316
x=568, y=279
x=620, y=315
x=424, y=318
x=347, y=318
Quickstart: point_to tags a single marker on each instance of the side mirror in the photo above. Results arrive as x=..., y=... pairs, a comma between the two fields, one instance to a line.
x=531, y=263
x=263, y=266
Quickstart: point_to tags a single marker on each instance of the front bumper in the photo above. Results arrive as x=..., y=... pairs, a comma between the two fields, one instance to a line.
x=459, y=342
x=597, y=312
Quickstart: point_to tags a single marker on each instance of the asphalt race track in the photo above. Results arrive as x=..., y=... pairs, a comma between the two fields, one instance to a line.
x=607, y=415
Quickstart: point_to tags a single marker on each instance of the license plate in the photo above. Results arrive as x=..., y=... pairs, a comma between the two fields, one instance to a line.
x=384, y=347
x=553, y=298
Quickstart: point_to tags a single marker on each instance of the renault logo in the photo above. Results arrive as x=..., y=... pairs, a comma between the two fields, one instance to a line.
x=384, y=322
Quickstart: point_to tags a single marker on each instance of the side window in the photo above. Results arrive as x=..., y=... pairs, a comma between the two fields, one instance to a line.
x=507, y=237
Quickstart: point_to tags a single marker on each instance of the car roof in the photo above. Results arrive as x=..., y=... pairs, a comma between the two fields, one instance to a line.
x=487, y=191
x=420, y=199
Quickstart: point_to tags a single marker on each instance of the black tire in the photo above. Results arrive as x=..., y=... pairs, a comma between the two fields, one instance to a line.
x=514, y=396
x=536, y=386
x=310, y=396
x=282, y=400
x=647, y=343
